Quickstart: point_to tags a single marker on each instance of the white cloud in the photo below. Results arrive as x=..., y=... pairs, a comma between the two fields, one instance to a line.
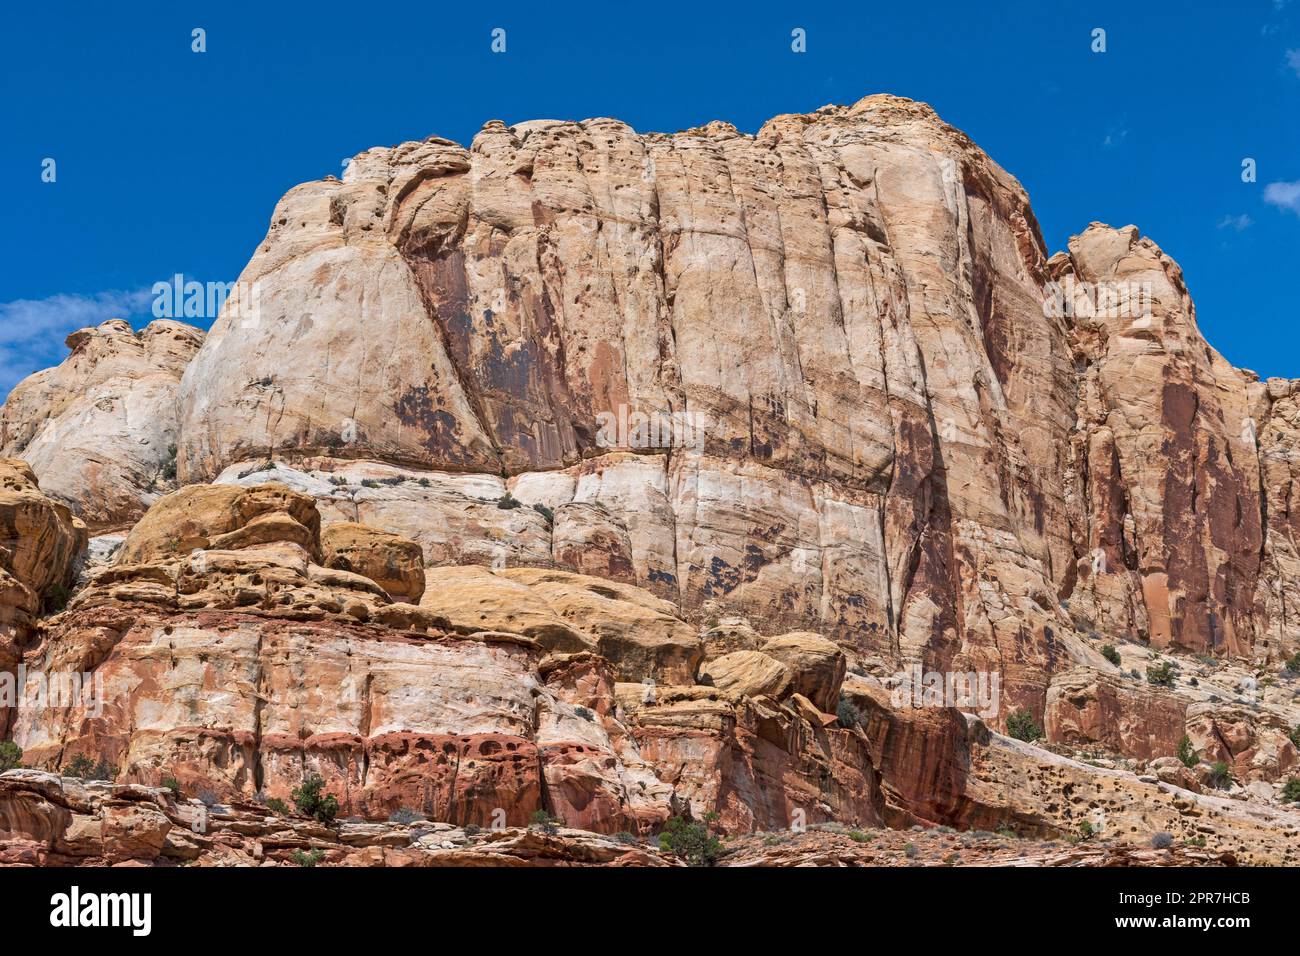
x=1239, y=223
x=32, y=330
x=1284, y=195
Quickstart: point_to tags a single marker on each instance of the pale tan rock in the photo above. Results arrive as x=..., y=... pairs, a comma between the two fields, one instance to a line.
x=816, y=665
x=395, y=563
x=751, y=673
x=476, y=599
x=222, y=516
x=100, y=429
x=638, y=633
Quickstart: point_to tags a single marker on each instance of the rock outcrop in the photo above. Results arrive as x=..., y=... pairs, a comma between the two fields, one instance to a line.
x=100, y=430
x=40, y=544
x=223, y=656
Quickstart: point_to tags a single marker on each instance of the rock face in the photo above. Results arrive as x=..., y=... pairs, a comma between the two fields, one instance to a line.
x=101, y=429
x=885, y=419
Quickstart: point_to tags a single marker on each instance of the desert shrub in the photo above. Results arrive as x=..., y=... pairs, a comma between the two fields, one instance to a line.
x=1086, y=830
x=508, y=502
x=910, y=851
x=11, y=756
x=404, y=815
x=208, y=798
x=369, y=483
x=1293, y=665
x=1108, y=651
x=56, y=598
x=848, y=713
x=1295, y=736
x=1291, y=792
x=307, y=859
x=690, y=841
x=1187, y=754
x=857, y=836
x=624, y=837
x=1021, y=726
x=309, y=801
x=84, y=768
x=1162, y=674
x=1162, y=840
x=472, y=829
x=546, y=513
x=172, y=784
x=584, y=713
x=544, y=822
x=168, y=469
x=276, y=805
x=1220, y=775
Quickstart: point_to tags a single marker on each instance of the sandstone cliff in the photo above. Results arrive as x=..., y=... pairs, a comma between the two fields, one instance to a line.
x=862, y=419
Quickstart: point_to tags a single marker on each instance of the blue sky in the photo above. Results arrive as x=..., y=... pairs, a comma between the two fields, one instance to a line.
x=170, y=161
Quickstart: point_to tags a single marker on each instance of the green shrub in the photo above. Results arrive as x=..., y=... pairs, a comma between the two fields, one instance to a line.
x=1291, y=792
x=1108, y=651
x=857, y=836
x=848, y=714
x=544, y=822
x=508, y=502
x=472, y=829
x=1086, y=832
x=369, y=483
x=624, y=837
x=1162, y=674
x=404, y=815
x=546, y=513
x=584, y=713
x=276, y=805
x=168, y=469
x=1021, y=726
x=11, y=756
x=1293, y=665
x=1220, y=775
x=1008, y=832
x=307, y=859
x=172, y=784
x=56, y=598
x=1295, y=736
x=84, y=768
x=690, y=841
x=910, y=851
x=309, y=801
x=1187, y=754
